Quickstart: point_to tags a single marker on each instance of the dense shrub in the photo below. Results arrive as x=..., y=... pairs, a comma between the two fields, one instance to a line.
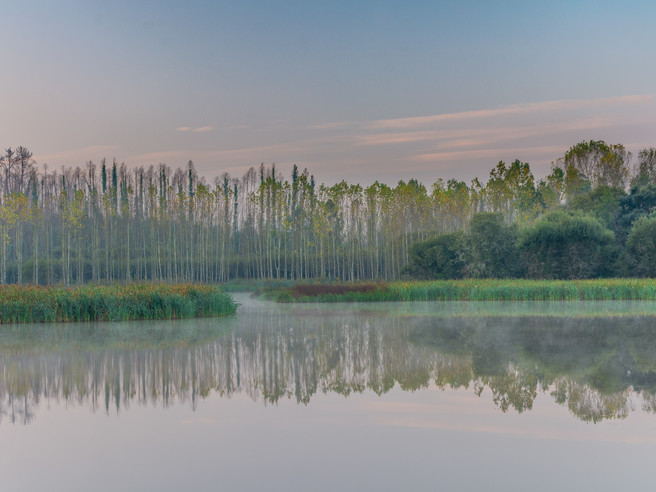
x=604, y=203
x=492, y=252
x=641, y=246
x=640, y=202
x=440, y=257
x=566, y=245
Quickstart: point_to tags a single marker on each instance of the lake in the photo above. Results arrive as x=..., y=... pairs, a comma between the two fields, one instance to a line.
x=384, y=396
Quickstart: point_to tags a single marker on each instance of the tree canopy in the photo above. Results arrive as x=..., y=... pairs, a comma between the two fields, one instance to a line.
x=106, y=222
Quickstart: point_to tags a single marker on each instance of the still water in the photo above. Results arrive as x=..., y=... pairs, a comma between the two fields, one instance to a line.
x=412, y=396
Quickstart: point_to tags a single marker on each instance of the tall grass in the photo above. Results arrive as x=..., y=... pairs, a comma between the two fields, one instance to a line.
x=25, y=304
x=479, y=290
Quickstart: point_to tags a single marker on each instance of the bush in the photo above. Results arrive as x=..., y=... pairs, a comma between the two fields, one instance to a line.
x=565, y=245
x=440, y=257
x=641, y=246
x=493, y=253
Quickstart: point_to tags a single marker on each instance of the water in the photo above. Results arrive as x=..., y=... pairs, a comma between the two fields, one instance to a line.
x=414, y=396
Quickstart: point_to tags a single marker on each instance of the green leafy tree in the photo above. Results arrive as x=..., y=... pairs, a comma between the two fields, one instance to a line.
x=564, y=245
x=646, y=172
x=492, y=247
x=588, y=165
x=603, y=202
x=641, y=246
x=511, y=190
x=440, y=257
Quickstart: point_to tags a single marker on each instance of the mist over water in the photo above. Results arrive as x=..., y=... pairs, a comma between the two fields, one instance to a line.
x=385, y=396
x=598, y=367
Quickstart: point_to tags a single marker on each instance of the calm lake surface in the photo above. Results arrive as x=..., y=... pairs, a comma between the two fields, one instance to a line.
x=389, y=396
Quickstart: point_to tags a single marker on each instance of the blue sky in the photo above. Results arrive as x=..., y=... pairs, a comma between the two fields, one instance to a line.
x=359, y=90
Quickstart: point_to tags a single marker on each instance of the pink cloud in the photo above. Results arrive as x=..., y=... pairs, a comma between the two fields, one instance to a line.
x=197, y=130
x=531, y=108
x=494, y=155
x=459, y=145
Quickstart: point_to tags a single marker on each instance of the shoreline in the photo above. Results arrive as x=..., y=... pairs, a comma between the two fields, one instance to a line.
x=625, y=289
x=137, y=301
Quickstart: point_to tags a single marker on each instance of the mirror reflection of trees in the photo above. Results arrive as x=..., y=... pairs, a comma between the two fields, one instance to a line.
x=599, y=368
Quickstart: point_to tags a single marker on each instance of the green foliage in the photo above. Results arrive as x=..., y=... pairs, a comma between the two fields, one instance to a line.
x=493, y=253
x=439, y=257
x=162, y=224
x=595, y=163
x=486, y=251
x=511, y=190
x=646, y=168
x=479, y=290
x=565, y=245
x=641, y=246
x=22, y=304
x=604, y=202
x=640, y=202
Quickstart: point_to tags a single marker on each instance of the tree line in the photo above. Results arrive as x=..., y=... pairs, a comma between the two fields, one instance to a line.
x=600, y=223
x=106, y=222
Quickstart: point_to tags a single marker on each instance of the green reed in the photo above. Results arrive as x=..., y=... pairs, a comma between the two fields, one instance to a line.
x=34, y=304
x=484, y=290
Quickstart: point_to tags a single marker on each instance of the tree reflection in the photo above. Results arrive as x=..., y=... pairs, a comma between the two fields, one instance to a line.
x=593, y=366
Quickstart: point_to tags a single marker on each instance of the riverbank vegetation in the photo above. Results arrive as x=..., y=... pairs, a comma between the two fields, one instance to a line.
x=472, y=290
x=23, y=304
x=592, y=216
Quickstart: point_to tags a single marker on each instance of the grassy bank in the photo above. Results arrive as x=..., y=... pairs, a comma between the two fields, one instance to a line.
x=30, y=304
x=472, y=290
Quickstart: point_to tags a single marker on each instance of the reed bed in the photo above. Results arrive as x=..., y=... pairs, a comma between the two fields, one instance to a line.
x=33, y=304
x=478, y=290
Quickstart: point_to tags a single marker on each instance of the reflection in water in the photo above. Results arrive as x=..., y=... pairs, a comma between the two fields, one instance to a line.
x=598, y=367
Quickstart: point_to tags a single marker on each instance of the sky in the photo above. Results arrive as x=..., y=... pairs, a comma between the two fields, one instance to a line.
x=355, y=90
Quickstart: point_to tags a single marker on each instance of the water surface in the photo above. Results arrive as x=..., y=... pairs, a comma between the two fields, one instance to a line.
x=388, y=396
